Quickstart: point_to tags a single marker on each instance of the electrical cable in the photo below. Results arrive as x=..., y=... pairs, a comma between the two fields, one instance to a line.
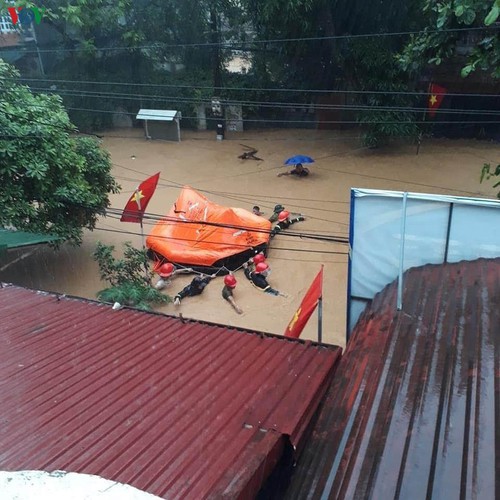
x=263, y=203
x=152, y=219
x=65, y=128
x=310, y=122
x=237, y=198
x=71, y=131
x=232, y=45
x=273, y=105
x=328, y=252
x=252, y=89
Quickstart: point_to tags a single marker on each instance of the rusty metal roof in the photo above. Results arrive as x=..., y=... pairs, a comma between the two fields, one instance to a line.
x=413, y=410
x=182, y=409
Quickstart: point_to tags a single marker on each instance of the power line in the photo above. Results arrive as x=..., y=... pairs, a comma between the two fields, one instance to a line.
x=253, y=89
x=269, y=248
x=282, y=197
x=151, y=218
x=58, y=126
x=316, y=218
x=239, y=197
x=233, y=196
x=263, y=104
x=406, y=182
x=328, y=252
x=270, y=120
x=311, y=122
x=240, y=46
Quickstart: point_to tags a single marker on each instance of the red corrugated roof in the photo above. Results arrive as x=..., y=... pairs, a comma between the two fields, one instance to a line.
x=414, y=407
x=178, y=409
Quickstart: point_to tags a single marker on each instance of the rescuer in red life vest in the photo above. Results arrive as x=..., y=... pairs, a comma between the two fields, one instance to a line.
x=227, y=292
x=166, y=272
x=258, y=278
x=196, y=287
x=285, y=221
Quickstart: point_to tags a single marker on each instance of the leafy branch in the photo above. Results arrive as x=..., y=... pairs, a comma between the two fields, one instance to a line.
x=129, y=284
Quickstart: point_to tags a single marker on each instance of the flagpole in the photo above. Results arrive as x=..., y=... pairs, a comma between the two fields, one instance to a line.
x=142, y=236
x=320, y=320
x=145, y=256
x=320, y=310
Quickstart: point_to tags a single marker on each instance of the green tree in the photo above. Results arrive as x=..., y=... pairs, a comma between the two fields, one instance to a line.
x=52, y=181
x=343, y=59
x=323, y=63
x=385, y=105
x=130, y=285
x=134, y=42
x=438, y=42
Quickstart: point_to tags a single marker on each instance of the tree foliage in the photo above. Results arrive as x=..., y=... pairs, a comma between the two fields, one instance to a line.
x=129, y=277
x=439, y=41
x=338, y=56
x=328, y=45
x=52, y=182
x=487, y=173
x=135, y=42
x=332, y=28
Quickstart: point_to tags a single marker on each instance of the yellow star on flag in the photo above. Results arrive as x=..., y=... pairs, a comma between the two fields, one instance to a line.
x=294, y=319
x=137, y=198
x=432, y=100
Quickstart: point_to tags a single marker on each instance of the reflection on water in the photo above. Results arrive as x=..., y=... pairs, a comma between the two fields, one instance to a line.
x=70, y=269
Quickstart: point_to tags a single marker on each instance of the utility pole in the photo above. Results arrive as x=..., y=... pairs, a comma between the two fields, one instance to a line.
x=217, y=109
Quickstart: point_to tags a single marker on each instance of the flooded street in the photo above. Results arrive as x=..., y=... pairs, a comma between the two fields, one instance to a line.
x=442, y=166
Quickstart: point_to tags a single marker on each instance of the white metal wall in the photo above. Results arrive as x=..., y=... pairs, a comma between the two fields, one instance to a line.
x=392, y=231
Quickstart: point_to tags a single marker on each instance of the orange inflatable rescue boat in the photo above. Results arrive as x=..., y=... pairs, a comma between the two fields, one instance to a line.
x=200, y=234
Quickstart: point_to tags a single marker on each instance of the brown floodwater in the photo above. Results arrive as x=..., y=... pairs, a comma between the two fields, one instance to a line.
x=199, y=160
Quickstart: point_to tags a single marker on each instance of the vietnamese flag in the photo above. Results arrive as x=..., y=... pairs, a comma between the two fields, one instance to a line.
x=309, y=303
x=436, y=96
x=136, y=206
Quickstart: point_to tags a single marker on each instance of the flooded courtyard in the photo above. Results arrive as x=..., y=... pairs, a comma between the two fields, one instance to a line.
x=212, y=167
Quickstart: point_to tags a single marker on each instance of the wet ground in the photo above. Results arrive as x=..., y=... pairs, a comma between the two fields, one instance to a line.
x=442, y=166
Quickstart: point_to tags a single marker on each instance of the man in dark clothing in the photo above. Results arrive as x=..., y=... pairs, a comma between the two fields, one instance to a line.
x=258, y=278
x=284, y=222
x=227, y=292
x=250, y=155
x=277, y=210
x=194, y=288
x=299, y=171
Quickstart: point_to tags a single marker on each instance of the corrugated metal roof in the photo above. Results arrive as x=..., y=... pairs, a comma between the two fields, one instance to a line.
x=158, y=114
x=178, y=409
x=414, y=408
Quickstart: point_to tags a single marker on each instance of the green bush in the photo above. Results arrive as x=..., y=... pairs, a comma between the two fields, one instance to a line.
x=129, y=277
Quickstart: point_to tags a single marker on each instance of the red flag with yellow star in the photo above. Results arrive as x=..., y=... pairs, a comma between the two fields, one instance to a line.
x=136, y=206
x=307, y=306
x=436, y=96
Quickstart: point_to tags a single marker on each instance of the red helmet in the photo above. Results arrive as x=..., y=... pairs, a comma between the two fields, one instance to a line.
x=166, y=270
x=261, y=267
x=260, y=257
x=283, y=215
x=230, y=281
